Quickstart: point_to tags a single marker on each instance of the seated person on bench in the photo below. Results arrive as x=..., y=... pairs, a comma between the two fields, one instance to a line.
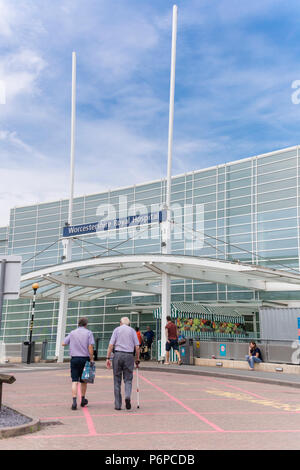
x=254, y=355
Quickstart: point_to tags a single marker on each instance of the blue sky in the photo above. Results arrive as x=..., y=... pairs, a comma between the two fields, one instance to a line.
x=236, y=62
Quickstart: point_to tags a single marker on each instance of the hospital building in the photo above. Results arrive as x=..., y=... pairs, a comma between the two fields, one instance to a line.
x=224, y=219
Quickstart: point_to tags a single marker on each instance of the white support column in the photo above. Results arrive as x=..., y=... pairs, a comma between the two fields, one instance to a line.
x=67, y=243
x=254, y=324
x=166, y=226
x=165, y=310
x=63, y=306
x=62, y=321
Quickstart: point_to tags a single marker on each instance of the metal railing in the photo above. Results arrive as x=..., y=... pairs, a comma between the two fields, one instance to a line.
x=278, y=351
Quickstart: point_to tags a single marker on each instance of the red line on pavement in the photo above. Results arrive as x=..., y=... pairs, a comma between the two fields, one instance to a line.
x=250, y=412
x=132, y=414
x=55, y=404
x=127, y=415
x=190, y=410
x=89, y=421
x=139, y=433
x=97, y=392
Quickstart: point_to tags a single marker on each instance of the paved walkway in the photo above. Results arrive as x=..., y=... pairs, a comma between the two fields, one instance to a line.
x=181, y=408
x=275, y=378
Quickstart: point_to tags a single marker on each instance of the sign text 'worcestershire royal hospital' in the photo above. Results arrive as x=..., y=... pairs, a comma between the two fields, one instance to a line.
x=124, y=222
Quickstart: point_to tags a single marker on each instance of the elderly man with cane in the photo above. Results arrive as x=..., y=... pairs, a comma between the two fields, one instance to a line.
x=124, y=343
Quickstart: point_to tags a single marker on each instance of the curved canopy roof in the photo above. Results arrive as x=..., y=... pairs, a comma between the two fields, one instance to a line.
x=92, y=278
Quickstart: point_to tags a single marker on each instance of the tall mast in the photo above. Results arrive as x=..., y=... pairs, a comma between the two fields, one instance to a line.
x=166, y=226
x=67, y=243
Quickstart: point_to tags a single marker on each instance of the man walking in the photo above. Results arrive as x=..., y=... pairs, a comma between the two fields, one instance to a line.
x=124, y=343
x=172, y=341
x=81, y=343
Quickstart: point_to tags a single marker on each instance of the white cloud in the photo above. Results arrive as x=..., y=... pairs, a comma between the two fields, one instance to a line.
x=113, y=154
x=7, y=18
x=224, y=82
x=11, y=144
x=19, y=71
x=32, y=185
x=19, y=20
x=107, y=155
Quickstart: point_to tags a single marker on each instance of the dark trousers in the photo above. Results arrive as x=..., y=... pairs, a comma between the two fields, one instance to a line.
x=123, y=365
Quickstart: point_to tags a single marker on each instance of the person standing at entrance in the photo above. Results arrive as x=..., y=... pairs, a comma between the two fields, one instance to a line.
x=149, y=335
x=125, y=344
x=172, y=341
x=139, y=335
x=81, y=343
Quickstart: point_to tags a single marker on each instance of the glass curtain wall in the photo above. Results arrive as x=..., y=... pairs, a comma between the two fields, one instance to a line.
x=246, y=210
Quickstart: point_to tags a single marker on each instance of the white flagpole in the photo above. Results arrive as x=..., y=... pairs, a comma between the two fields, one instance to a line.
x=67, y=243
x=166, y=229
x=73, y=122
x=171, y=113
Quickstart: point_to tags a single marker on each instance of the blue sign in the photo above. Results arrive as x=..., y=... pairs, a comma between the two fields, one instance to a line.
x=222, y=350
x=124, y=222
x=71, y=230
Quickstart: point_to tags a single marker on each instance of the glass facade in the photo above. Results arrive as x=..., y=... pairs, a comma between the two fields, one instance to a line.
x=246, y=210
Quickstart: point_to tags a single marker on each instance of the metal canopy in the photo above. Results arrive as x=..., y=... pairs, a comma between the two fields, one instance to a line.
x=93, y=278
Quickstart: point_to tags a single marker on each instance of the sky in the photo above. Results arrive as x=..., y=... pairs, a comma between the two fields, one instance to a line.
x=237, y=73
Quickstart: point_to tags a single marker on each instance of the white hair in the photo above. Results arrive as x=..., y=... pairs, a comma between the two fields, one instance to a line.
x=125, y=321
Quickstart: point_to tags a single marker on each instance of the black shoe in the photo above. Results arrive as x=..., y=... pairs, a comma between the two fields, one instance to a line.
x=128, y=403
x=118, y=409
x=73, y=407
x=84, y=402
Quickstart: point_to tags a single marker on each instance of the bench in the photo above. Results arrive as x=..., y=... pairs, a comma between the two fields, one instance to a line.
x=243, y=365
x=5, y=379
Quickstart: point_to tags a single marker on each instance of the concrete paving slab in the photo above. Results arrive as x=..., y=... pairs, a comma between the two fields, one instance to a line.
x=181, y=408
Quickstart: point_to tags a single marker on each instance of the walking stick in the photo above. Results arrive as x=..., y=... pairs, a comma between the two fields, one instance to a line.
x=137, y=387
